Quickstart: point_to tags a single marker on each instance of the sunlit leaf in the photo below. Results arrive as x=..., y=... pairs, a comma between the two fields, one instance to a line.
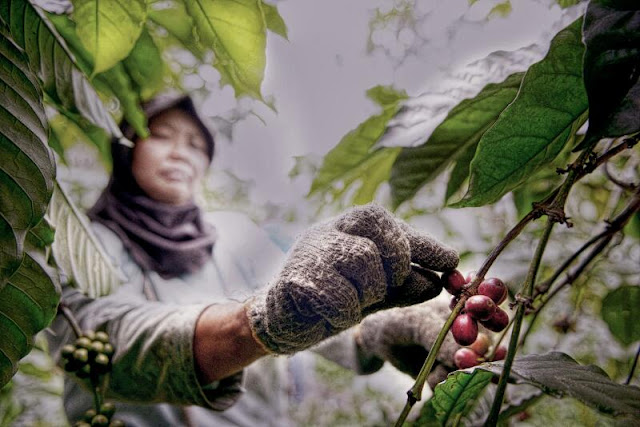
x=456, y=137
x=68, y=130
x=275, y=23
x=501, y=10
x=620, y=311
x=173, y=17
x=28, y=303
x=115, y=80
x=108, y=29
x=27, y=169
x=550, y=107
x=77, y=251
x=344, y=163
x=145, y=66
x=559, y=375
x=611, y=71
x=237, y=33
x=453, y=398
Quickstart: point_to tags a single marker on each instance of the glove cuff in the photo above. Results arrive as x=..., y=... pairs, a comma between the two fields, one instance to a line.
x=256, y=309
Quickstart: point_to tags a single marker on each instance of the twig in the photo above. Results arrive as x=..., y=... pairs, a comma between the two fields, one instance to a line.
x=492, y=420
x=633, y=367
x=70, y=318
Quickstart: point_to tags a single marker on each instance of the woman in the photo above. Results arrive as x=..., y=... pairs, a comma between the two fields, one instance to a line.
x=180, y=331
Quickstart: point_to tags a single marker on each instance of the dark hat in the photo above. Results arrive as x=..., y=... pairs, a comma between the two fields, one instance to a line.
x=165, y=102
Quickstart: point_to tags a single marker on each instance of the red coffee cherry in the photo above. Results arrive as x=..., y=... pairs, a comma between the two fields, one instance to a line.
x=501, y=353
x=453, y=303
x=465, y=358
x=480, y=307
x=481, y=344
x=497, y=322
x=494, y=288
x=470, y=276
x=464, y=329
x=453, y=281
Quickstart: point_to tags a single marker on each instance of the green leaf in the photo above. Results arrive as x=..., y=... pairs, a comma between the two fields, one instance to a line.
x=69, y=129
x=456, y=137
x=28, y=303
x=108, y=29
x=77, y=251
x=174, y=19
x=460, y=172
x=559, y=375
x=237, y=33
x=550, y=107
x=611, y=71
x=274, y=21
x=115, y=80
x=28, y=168
x=619, y=311
x=42, y=235
x=145, y=66
x=633, y=227
x=453, y=398
x=353, y=155
x=61, y=75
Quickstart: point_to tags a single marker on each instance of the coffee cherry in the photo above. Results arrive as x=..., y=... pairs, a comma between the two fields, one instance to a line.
x=101, y=364
x=108, y=350
x=96, y=347
x=494, y=288
x=464, y=329
x=116, y=423
x=84, y=371
x=82, y=424
x=481, y=344
x=89, y=334
x=108, y=409
x=497, y=322
x=88, y=416
x=465, y=358
x=480, y=307
x=501, y=353
x=67, y=351
x=470, y=276
x=453, y=303
x=453, y=281
x=102, y=337
x=83, y=342
x=100, y=421
x=81, y=355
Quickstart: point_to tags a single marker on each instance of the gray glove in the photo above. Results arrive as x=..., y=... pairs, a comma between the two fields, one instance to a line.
x=404, y=336
x=342, y=270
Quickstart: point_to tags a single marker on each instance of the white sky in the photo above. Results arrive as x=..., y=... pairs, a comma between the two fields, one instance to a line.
x=319, y=77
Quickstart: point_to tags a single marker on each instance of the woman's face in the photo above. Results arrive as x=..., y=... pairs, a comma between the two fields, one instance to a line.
x=169, y=163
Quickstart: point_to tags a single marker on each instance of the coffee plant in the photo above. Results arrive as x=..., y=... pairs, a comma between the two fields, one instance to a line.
x=68, y=67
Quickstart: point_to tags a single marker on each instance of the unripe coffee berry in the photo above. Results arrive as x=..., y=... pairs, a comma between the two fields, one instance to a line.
x=107, y=409
x=108, y=349
x=494, y=288
x=480, y=307
x=67, y=351
x=464, y=329
x=81, y=355
x=83, y=342
x=96, y=347
x=100, y=421
x=102, y=337
x=481, y=344
x=88, y=416
x=497, y=322
x=89, y=334
x=116, y=423
x=465, y=358
x=453, y=281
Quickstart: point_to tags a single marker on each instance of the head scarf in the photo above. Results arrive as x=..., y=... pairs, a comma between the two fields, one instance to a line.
x=171, y=240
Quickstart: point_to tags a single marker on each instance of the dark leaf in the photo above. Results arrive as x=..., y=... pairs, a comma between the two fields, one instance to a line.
x=620, y=311
x=612, y=68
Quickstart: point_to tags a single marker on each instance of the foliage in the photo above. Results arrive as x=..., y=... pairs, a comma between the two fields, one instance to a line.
x=82, y=64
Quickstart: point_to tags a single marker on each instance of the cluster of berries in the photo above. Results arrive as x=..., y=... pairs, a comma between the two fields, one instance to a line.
x=103, y=418
x=89, y=356
x=482, y=308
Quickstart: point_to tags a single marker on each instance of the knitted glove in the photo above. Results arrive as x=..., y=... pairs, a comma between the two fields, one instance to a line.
x=404, y=336
x=342, y=270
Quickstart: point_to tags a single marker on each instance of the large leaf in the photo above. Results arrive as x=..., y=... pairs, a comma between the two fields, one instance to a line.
x=453, y=398
x=550, y=107
x=619, y=311
x=612, y=68
x=28, y=303
x=77, y=251
x=174, y=19
x=27, y=169
x=559, y=375
x=274, y=21
x=145, y=66
x=109, y=29
x=114, y=81
x=236, y=31
x=454, y=137
x=61, y=75
x=353, y=155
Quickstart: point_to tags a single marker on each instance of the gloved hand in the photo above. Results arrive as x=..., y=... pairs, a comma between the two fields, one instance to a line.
x=342, y=270
x=404, y=336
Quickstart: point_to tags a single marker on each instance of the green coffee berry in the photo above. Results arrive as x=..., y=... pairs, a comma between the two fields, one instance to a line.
x=107, y=409
x=81, y=355
x=96, y=347
x=88, y=416
x=116, y=423
x=84, y=371
x=102, y=337
x=100, y=421
x=108, y=349
x=89, y=334
x=83, y=342
x=67, y=351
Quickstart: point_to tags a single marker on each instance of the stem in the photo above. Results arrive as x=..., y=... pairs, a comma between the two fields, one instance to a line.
x=633, y=367
x=492, y=420
x=70, y=318
x=415, y=393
